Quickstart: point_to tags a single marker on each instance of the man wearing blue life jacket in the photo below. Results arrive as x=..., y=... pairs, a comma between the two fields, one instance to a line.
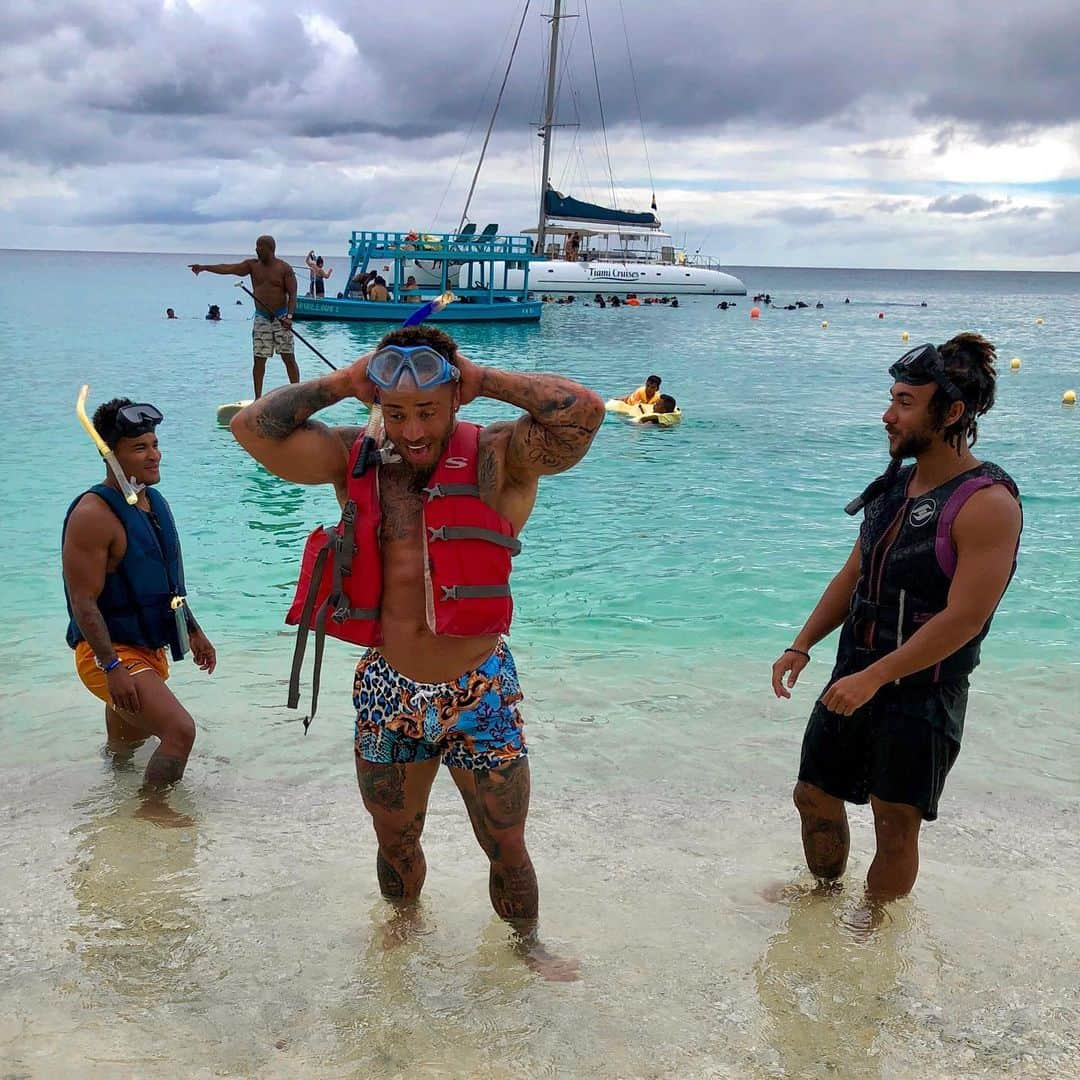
x=124, y=585
x=418, y=572
x=936, y=550
x=273, y=284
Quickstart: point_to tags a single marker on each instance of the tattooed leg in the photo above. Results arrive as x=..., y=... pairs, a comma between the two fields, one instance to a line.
x=396, y=796
x=824, y=831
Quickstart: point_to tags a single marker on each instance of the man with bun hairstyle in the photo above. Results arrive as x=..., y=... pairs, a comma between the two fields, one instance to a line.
x=936, y=550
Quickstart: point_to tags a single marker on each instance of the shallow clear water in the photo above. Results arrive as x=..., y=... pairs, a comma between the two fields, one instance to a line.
x=659, y=581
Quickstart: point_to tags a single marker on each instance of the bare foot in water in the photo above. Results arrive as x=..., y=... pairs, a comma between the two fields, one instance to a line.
x=547, y=965
x=162, y=814
x=403, y=926
x=784, y=892
x=861, y=922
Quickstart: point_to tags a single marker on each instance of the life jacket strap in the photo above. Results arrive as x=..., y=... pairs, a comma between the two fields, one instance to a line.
x=439, y=491
x=474, y=592
x=303, y=628
x=471, y=532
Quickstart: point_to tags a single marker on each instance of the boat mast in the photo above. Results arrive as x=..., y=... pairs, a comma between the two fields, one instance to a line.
x=545, y=131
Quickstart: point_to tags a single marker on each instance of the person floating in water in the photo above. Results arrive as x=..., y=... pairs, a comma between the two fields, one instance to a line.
x=213, y=314
x=936, y=550
x=645, y=395
x=425, y=585
x=169, y=313
x=274, y=284
x=123, y=572
x=665, y=403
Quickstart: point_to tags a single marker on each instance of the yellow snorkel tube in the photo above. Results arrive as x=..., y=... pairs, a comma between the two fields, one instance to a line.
x=130, y=491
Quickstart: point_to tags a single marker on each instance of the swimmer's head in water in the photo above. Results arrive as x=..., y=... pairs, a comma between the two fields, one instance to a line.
x=665, y=404
x=652, y=383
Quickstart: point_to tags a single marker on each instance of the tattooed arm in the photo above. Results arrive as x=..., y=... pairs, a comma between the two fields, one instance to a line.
x=561, y=421
x=278, y=432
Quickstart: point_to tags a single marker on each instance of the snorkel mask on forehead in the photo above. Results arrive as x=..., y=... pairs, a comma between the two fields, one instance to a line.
x=135, y=420
x=923, y=365
x=920, y=366
x=427, y=367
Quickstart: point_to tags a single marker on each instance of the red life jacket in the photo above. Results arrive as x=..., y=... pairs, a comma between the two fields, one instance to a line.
x=467, y=552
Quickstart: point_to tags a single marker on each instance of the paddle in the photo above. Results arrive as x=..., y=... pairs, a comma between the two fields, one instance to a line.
x=296, y=333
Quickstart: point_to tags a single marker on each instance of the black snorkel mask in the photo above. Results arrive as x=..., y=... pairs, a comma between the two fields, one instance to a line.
x=923, y=365
x=135, y=420
x=920, y=366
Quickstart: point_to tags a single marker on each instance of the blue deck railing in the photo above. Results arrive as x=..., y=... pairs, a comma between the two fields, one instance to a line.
x=475, y=248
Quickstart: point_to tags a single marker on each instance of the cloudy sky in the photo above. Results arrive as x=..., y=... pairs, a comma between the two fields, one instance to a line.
x=868, y=133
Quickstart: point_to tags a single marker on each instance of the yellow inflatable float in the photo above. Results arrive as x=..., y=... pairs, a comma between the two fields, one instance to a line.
x=642, y=414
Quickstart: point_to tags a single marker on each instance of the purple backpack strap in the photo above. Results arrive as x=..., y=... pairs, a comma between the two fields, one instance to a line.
x=944, y=547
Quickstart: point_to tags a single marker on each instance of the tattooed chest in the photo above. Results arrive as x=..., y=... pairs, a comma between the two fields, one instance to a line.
x=402, y=513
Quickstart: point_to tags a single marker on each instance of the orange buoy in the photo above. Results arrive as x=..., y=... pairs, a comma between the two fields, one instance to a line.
x=632, y=302
x=755, y=313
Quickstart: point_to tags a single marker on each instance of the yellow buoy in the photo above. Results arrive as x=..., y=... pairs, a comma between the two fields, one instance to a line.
x=1069, y=397
x=1039, y=321
x=904, y=336
x=824, y=325
x=1014, y=363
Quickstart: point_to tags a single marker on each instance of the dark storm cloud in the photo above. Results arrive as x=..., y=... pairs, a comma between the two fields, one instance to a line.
x=962, y=204
x=989, y=66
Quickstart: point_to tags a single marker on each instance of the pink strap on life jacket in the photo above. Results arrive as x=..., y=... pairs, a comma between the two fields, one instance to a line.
x=944, y=548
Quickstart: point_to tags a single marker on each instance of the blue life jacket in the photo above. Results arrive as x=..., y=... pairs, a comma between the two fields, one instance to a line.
x=904, y=581
x=136, y=599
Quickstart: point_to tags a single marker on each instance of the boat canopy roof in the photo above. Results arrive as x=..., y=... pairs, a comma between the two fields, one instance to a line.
x=558, y=205
x=629, y=232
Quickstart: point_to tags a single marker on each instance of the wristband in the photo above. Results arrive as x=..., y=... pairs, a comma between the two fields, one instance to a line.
x=799, y=652
x=111, y=665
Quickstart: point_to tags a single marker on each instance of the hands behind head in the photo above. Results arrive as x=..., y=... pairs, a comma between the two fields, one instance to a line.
x=472, y=377
x=360, y=386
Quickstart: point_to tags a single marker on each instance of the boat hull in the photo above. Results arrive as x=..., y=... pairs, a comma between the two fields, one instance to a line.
x=340, y=310
x=598, y=276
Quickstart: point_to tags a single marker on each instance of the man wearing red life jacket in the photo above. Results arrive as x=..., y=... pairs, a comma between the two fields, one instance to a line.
x=418, y=570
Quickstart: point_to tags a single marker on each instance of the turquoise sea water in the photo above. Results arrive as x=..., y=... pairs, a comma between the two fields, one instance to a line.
x=659, y=581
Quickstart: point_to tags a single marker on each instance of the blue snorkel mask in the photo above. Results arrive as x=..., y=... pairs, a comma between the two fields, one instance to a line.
x=427, y=367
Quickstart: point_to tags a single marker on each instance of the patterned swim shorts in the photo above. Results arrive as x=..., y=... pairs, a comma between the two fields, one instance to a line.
x=472, y=722
x=268, y=336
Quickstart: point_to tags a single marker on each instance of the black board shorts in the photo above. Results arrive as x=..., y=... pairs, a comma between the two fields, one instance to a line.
x=891, y=748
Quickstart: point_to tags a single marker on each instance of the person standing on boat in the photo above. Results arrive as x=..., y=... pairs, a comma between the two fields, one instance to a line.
x=274, y=284
x=936, y=550
x=426, y=586
x=378, y=291
x=123, y=573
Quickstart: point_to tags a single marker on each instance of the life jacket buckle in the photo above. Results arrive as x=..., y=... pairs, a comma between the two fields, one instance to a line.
x=433, y=492
x=449, y=592
x=437, y=533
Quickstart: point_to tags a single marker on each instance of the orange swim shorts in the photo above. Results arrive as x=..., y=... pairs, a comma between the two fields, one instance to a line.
x=135, y=659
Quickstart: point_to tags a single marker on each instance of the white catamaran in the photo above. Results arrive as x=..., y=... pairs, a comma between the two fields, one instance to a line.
x=597, y=249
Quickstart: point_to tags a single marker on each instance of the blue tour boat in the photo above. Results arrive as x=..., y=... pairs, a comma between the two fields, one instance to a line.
x=488, y=274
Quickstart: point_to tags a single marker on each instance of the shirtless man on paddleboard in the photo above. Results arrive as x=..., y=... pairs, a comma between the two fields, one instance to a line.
x=274, y=285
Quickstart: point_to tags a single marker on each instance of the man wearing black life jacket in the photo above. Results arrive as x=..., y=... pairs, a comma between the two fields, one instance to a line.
x=124, y=584
x=936, y=551
x=418, y=571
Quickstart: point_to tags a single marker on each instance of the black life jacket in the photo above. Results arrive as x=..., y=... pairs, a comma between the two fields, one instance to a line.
x=905, y=582
x=136, y=601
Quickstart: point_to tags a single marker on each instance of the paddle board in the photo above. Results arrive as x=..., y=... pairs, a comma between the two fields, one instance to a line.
x=226, y=412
